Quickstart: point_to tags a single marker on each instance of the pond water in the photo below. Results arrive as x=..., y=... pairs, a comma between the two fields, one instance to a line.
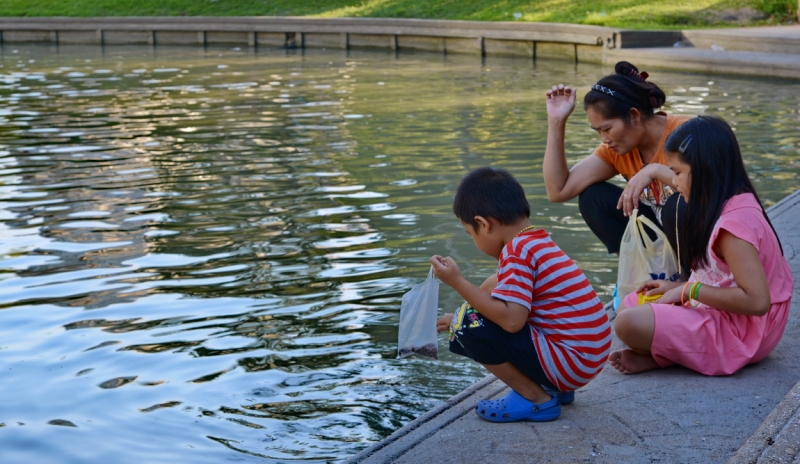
x=202, y=252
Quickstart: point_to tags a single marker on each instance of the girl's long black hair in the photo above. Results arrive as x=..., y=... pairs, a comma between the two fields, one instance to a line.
x=708, y=145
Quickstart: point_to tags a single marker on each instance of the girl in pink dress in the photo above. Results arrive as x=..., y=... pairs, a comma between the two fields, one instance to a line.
x=734, y=308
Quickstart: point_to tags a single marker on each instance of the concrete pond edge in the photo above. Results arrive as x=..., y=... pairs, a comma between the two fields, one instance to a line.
x=761, y=51
x=778, y=434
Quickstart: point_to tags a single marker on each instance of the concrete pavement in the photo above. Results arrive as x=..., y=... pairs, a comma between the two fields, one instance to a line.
x=670, y=415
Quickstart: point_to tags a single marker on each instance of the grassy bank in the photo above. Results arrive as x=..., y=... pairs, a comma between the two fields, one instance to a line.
x=639, y=14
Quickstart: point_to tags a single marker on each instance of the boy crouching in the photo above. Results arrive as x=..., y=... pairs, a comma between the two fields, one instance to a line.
x=541, y=330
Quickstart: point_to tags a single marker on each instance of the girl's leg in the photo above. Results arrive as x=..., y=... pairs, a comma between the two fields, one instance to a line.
x=635, y=327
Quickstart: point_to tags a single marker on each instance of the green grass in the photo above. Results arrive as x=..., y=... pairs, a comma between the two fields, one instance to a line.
x=637, y=14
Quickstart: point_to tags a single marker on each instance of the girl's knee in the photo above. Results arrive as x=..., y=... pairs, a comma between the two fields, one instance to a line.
x=623, y=325
x=635, y=326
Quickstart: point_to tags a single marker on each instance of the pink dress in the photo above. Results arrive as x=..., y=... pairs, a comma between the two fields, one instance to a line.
x=715, y=342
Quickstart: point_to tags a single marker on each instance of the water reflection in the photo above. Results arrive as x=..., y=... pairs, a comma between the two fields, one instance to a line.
x=207, y=249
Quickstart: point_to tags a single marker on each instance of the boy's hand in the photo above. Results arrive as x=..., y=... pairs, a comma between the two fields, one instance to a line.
x=444, y=322
x=446, y=269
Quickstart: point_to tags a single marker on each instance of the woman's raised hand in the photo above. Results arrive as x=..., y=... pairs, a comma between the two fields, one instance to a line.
x=560, y=101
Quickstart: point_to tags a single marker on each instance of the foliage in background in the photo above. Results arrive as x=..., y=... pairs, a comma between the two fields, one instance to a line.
x=778, y=8
x=639, y=14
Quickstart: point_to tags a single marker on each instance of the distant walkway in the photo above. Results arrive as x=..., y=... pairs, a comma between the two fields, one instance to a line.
x=670, y=415
x=760, y=51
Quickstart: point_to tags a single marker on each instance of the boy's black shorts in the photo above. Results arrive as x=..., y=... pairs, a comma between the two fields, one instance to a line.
x=476, y=337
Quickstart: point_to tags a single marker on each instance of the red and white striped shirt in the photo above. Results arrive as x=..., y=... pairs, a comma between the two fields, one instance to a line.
x=568, y=325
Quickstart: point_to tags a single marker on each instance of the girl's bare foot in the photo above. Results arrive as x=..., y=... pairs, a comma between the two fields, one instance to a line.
x=631, y=362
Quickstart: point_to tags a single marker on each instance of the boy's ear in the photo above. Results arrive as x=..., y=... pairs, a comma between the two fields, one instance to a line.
x=483, y=222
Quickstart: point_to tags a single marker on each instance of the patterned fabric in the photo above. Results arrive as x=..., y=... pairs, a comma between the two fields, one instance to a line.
x=629, y=164
x=567, y=322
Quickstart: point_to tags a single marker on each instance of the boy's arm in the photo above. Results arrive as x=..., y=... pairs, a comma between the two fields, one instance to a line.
x=512, y=317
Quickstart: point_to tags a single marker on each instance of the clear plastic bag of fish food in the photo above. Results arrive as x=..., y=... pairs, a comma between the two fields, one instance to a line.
x=418, y=310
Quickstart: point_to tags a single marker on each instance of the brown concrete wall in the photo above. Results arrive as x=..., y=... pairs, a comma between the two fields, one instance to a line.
x=80, y=37
x=424, y=43
x=589, y=53
x=30, y=36
x=463, y=45
x=179, y=38
x=127, y=37
x=534, y=40
x=325, y=40
x=508, y=47
x=226, y=37
x=270, y=39
x=372, y=41
x=555, y=50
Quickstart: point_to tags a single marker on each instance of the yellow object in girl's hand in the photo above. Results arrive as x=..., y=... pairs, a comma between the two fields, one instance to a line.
x=642, y=298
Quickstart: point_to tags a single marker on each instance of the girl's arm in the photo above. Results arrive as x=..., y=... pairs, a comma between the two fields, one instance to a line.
x=642, y=180
x=752, y=296
x=563, y=184
x=511, y=317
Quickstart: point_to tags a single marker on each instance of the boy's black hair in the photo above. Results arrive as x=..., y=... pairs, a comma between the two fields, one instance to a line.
x=614, y=95
x=491, y=193
x=708, y=145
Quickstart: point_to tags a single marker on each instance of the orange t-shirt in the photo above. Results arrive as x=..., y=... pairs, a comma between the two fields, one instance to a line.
x=631, y=163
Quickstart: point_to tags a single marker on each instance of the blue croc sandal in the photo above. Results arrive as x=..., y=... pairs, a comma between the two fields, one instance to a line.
x=513, y=407
x=563, y=398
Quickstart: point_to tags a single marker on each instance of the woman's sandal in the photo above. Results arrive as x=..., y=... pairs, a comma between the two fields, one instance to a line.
x=513, y=407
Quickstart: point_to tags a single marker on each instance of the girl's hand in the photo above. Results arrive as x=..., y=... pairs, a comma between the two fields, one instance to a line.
x=629, y=200
x=658, y=287
x=673, y=294
x=446, y=269
x=444, y=322
x=560, y=101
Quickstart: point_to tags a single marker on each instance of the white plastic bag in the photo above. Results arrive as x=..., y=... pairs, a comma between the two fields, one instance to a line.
x=418, y=320
x=642, y=259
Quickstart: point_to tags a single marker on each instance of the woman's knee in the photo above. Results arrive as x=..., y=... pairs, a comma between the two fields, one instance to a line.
x=599, y=197
x=598, y=207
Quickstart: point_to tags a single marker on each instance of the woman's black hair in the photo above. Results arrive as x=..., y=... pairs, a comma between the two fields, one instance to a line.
x=708, y=145
x=491, y=193
x=614, y=95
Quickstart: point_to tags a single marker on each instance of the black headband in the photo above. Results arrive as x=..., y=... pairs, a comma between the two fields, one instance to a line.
x=614, y=94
